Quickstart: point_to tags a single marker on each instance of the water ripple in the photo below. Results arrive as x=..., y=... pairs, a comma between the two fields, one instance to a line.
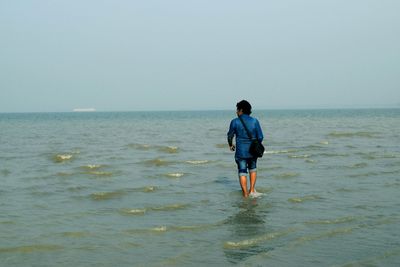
x=257, y=240
x=353, y=134
x=31, y=248
x=304, y=198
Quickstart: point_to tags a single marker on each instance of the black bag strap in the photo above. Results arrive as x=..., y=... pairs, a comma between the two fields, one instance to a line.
x=245, y=127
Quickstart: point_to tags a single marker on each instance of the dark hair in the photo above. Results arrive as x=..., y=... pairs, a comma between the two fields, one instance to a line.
x=244, y=106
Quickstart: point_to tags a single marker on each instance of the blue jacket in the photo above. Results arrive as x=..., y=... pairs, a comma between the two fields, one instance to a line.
x=242, y=139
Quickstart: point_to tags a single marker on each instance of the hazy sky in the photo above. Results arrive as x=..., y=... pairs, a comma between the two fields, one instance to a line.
x=56, y=55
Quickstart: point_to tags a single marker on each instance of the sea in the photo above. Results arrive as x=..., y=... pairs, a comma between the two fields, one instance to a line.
x=161, y=189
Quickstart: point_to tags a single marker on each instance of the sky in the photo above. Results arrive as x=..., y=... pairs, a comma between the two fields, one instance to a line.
x=131, y=55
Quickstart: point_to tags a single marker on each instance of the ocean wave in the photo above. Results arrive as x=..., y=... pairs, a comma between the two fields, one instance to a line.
x=139, y=146
x=168, y=149
x=175, y=174
x=393, y=164
x=170, y=207
x=332, y=154
x=379, y=220
x=133, y=211
x=64, y=174
x=265, y=190
x=172, y=228
x=191, y=228
x=42, y=193
x=8, y=222
x=92, y=166
x=62, y=158
x=77, y=188
x=142, y=211
x=392, y=184
x=154, y=230
x=314, y=147
x=304, y=198
x=269, y=167
x=353, y=134
x=375, y=155
x=257, y=240
x=31, y=248
x=284, y=151
x=75, y=234
x=327, y=234
x=99, y=173
x=375, y=260
x=144, y=189
x=164, y=149
x=148, y=189
x=304, y=156
x=5, y=172
x=334, y=221
x=158, y=162
x=389, y=156
x=346, y=190
x=358, y=165
x=197, y=162
x=107, y=195
x=367, y=174
x=159, y=229
x=287, y=175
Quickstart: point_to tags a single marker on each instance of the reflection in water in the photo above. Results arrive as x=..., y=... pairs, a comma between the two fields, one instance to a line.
x=246, y=226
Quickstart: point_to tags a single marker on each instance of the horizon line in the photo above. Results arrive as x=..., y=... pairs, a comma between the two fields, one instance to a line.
x=397, y=106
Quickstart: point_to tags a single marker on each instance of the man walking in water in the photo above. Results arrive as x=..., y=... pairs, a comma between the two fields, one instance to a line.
x=244, y=160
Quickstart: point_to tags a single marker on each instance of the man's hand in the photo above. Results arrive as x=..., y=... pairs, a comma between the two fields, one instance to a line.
x=232, y=147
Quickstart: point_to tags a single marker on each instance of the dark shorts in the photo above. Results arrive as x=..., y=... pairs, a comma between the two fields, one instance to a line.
x=246, y=164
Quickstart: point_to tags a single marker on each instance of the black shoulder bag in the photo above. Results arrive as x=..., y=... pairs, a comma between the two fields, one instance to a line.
x=256, y=148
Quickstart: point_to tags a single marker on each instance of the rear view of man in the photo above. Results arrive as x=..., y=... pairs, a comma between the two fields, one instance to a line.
x=244, y=160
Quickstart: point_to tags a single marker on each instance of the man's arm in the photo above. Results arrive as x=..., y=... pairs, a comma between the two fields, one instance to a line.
x=230, y=135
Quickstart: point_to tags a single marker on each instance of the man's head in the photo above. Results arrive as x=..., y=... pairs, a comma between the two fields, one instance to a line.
x=244, y=106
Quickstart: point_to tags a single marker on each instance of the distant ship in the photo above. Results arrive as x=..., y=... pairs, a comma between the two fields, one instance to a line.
x=84, y=110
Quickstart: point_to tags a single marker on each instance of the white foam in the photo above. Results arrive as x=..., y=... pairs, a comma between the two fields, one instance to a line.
x=256, y=194
x=175, y=175
x=257, y=240
x=64, y=157
x=299, y=156
x=136, y=211
x=159, y=229
x=197, y=161
x=93, y=166
x=276, y=151
x=148, y=189
x=169, y=149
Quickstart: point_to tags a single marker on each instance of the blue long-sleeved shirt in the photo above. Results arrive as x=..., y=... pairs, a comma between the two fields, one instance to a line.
x=242, y=139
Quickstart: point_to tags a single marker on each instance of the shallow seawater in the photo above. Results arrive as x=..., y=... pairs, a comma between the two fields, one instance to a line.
x=161, y=189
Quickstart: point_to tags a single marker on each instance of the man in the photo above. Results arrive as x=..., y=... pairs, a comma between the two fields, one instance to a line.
x=244, y=160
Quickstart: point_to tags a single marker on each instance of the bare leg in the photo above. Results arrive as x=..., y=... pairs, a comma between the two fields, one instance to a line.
x=243, y=184
x=253, y=179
